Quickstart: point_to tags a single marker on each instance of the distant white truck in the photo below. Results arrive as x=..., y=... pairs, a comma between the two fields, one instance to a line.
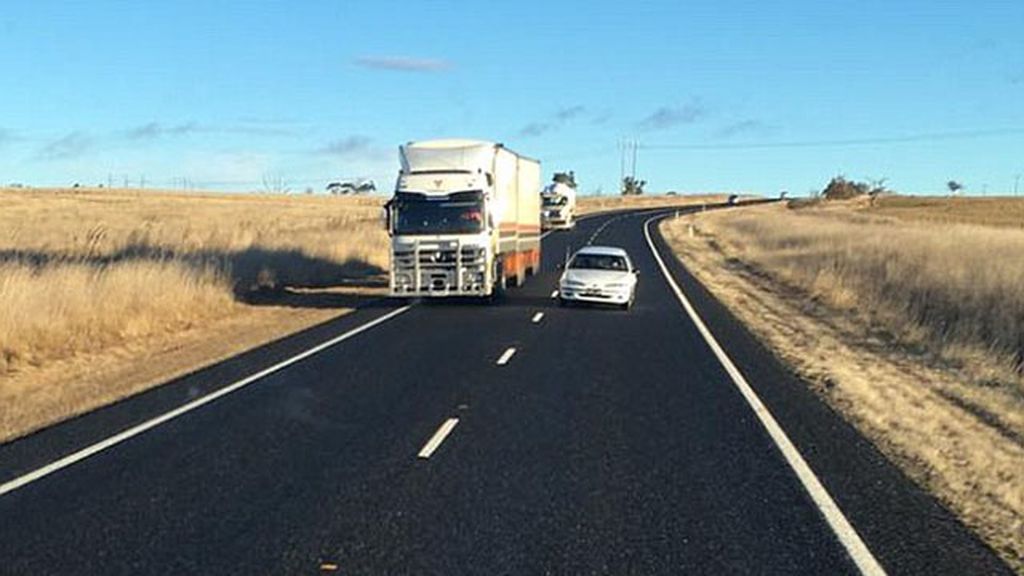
x=558, y=205
x=464, y=219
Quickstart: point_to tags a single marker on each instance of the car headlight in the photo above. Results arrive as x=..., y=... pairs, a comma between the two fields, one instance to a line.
x=615, y=286
x=573, y=284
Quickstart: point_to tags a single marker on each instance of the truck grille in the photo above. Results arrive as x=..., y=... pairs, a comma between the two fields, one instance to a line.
x=438, y=269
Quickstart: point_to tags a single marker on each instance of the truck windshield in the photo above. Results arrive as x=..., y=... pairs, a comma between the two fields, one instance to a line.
x=550, y=201
x=456, y=213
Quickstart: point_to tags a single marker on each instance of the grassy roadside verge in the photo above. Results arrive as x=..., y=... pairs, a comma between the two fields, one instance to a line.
x=904, y=325
x=106, y=293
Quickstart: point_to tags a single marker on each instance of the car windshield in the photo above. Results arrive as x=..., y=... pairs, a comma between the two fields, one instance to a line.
x=598, y=262
x=457, y=213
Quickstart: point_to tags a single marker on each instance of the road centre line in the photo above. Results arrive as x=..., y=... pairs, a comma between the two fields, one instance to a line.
x=133, y=431
x=435, y=441
x=537, y=317
x=602, y=227
x=841, y=527
x=506, y=356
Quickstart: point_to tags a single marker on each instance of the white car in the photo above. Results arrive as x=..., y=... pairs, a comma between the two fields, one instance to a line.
x=599, y=274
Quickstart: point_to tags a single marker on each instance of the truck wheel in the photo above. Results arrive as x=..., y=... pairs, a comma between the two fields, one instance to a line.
x=500, y=281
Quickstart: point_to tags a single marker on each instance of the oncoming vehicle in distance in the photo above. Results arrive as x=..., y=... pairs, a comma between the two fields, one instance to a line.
x=558, y=202
x=599, y=274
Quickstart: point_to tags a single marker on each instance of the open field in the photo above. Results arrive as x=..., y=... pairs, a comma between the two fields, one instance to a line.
x=910, y=325
x=592, y=204
x=87, y=275
x=995, y=211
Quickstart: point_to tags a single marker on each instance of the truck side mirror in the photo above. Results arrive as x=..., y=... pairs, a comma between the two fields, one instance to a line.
x=385, y=217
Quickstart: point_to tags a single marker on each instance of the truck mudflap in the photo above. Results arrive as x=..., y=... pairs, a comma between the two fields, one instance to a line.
x=522, y=264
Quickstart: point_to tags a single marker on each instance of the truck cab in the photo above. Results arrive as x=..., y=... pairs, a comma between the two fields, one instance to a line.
x=558, y=206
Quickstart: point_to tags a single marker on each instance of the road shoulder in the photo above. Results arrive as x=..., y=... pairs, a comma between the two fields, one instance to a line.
x=862, y=479
x=37, y=397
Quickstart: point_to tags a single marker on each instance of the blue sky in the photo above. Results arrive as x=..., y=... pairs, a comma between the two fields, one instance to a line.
x=741, y=96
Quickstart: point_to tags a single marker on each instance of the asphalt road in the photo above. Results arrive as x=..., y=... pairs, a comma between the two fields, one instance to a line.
x=610, y=442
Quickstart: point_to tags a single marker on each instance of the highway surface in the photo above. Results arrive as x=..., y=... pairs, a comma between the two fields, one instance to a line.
x=459, y=438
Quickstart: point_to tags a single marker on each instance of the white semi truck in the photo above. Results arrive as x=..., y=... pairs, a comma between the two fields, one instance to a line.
x=558, y=206
x=464, y=219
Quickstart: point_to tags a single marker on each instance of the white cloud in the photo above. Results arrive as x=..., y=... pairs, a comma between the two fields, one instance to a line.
x=403, y=63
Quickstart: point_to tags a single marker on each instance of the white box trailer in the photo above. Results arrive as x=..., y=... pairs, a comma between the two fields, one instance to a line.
x=464, y=219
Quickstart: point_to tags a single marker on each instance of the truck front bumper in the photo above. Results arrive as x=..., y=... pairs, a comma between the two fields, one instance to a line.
x=439, y=269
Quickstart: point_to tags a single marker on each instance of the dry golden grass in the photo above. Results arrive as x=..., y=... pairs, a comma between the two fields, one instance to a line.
x=911, y=328
x=59, y=310
x=592, y=204
x=1003, y=212
x=89, y=272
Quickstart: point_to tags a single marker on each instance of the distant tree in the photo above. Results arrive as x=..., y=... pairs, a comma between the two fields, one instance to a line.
x=353, y=187
x=839, y=188
x=632, y=187
x=954, y=187
x=275, y=184
x=876, y=188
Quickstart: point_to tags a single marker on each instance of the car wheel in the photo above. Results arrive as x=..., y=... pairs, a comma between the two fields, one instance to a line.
x=628, y=303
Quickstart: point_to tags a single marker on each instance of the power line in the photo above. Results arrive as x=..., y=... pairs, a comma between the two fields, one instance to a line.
x=932, y=137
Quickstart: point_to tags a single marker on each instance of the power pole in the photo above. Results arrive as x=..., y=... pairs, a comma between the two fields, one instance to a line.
x=622, y=161
x=636, y=148
x=1016, y=183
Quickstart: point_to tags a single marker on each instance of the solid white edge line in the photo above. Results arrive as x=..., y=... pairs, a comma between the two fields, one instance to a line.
x=537, y=317
x=128, y=433
x=435, y=441
x=506, y=356
x=841, y=527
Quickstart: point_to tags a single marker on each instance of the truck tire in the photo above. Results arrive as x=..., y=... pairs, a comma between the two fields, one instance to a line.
x=500, y=281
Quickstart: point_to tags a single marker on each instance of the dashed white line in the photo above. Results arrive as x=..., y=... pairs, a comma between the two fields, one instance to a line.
x=506, y=356
x=602, y=227
x=537, y=317
x=841, y=527
x=116, y=439
x=435, y=441
x=554, y=294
